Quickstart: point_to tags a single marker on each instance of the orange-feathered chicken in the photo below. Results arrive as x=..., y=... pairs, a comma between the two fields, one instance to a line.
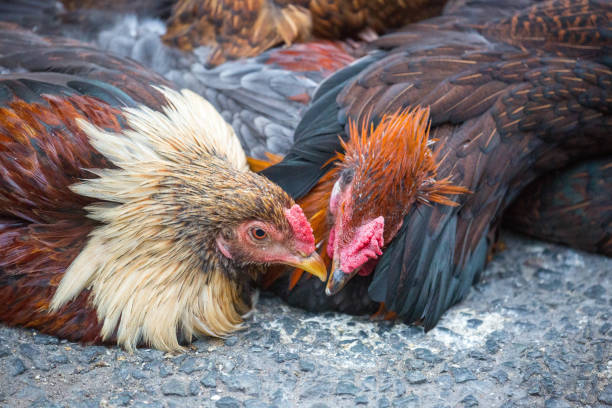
x=239, y=28
x=511, y=98
x=128, y=213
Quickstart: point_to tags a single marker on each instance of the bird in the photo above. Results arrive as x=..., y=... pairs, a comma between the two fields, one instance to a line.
x=262, y=97
x=569, y=206
x=128, y=213
x=238, y=28
x=514, y=92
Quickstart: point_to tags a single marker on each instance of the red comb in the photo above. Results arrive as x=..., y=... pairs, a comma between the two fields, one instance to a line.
x=301, y=229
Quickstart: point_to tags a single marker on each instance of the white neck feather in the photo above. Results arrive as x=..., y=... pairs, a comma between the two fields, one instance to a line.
x=147, y=283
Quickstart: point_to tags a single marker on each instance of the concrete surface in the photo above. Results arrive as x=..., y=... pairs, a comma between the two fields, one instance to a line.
x=536, y=332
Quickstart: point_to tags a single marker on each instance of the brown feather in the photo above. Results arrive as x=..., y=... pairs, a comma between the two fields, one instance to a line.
x=240, y=28
x=42, y=224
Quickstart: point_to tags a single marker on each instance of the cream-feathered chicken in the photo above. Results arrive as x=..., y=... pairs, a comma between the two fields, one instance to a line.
x=130, y=215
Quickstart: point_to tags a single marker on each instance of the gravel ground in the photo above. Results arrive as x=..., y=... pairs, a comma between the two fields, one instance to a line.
x=536, y=332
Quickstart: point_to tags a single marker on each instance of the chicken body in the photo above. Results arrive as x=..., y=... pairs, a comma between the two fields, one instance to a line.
x=263, y=97
x=510, y=99
x=570, y=206
x=237, y=28
x=123, y=223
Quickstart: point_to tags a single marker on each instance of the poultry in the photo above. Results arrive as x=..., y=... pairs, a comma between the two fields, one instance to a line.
x=127, y=210
x=510, y=99
x=238, y=28
x=570, y=206
x=262, y=97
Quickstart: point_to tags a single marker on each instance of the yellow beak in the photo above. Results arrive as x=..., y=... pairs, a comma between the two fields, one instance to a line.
x=312, y=264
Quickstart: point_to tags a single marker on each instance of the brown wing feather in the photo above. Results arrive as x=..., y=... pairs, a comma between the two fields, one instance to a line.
x=240, y=28
x=42, y=222
x=24, y=50
x=570, y=206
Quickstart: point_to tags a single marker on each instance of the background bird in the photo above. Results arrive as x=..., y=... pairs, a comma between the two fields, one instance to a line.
x=263, y=97
x=237, y=28
x=511, y=98
x=570, y=206
x=124, y=223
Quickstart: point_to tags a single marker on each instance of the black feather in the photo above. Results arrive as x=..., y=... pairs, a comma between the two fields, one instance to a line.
x=317, y=137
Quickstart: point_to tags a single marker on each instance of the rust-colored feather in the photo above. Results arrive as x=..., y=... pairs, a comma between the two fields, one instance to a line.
x=393, y=164
x=42, y=222
x=240, y=28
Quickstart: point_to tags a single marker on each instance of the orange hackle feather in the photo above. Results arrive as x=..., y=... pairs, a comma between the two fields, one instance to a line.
x=393, y=164
x=258, y=165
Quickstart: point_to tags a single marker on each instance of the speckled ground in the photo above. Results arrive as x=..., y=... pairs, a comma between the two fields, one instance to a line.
x=536, y=332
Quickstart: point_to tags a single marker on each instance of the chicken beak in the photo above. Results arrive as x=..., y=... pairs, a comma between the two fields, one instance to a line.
x=312, y=264
x=337, y=279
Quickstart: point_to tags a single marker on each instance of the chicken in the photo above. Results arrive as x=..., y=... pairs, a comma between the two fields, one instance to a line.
x=127, y=211
x=570, y=206
x=510, y=99
x=238, y=28
x=262, y=97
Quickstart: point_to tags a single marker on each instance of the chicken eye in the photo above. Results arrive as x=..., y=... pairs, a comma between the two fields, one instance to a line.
x=259, y=233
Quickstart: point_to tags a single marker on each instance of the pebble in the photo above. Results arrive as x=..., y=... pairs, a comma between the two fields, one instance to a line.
x=58, y=359
x=556, y=403
x=462, y=375
x=165, y=370
x=306, y=366
x=194, y=387
x=426, y=355
x=469, y=401
x=406, y=402
x=360, y=349
x=122, y=399
x=289, y=324
x=175, y=387
x=231, y=341
x=369, y=383
x=595, y=292
x=17, y=367
x=90, y=353
x=384, y=403
x=190, y=365
x=415, y=377
x=45, y=339
x=500, y=376
x=248, y=383
x=474, y=323
x=228, y=402
x=492, y=346
x=255, y=403
x=478, y=355
x=605, y=396
x=346, y=388
x=209, y=380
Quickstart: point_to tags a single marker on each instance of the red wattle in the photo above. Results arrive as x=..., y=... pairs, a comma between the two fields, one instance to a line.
x=367, y=244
